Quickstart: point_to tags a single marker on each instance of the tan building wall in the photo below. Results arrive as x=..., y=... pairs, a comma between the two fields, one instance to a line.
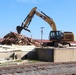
x=65, y=55
x=57, y=54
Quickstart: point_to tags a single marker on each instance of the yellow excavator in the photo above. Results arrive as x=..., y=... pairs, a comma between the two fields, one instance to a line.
x=55, y=36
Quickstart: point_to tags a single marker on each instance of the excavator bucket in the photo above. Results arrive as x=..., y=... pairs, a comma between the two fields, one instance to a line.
x=19, y=29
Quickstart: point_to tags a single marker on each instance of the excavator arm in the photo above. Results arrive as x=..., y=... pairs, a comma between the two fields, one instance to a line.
x=29, y=17
x=26, y=21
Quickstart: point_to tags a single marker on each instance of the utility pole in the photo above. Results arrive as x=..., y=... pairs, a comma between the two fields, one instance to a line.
x=41, y=34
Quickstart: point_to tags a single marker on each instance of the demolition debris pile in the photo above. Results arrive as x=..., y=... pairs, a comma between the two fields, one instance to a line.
x=14, y=38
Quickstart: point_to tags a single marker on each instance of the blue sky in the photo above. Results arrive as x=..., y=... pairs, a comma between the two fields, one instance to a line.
x=13, y=12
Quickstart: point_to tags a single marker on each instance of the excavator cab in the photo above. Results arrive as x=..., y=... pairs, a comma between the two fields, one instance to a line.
x=56, y=35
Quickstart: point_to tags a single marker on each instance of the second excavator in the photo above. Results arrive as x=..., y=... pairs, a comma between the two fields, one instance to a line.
x=55, y=36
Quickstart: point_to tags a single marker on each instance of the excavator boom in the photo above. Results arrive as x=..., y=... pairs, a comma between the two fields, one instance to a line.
x=47, y=19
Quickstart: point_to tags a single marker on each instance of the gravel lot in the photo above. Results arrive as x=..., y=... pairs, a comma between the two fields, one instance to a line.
x=40, y=69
